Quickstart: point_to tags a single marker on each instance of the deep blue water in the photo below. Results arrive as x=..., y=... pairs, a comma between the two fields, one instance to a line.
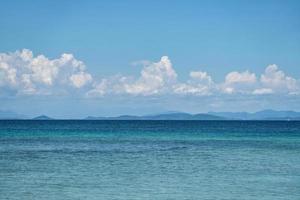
x=150, y=160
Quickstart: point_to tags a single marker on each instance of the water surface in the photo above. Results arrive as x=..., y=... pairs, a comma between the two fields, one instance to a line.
x=150, y=160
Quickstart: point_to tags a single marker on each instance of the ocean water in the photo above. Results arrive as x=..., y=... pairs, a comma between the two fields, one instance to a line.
x=157, y=160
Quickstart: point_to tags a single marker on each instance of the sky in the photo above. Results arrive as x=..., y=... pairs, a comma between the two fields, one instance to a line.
x=70, y=59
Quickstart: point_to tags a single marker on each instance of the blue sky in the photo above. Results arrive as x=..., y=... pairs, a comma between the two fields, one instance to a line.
x=118, y=40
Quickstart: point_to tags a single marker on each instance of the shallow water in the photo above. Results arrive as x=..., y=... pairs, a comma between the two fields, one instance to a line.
x=150, y=160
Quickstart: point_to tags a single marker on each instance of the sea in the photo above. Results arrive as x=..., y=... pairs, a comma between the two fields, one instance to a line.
x=149, y=160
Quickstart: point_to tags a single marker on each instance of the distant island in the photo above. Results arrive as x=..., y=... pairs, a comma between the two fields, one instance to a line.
x=42, y=117
x=171, y=116
x=261, y=115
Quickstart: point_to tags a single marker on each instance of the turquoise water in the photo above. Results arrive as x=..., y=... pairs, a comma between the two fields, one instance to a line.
x=150, y=160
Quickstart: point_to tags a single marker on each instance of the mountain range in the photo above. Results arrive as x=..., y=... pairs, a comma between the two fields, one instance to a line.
x=171, y=116
x=261, y=115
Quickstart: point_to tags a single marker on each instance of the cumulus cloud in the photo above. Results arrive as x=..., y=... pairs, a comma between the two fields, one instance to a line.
x=261, y=91
x=109, y=86
x=155, y=78
x=276, y=80
x=238, y=82
x=80, y=79
x=200, y=83
x=22, y=73
x=26, y=74
x=243, y=77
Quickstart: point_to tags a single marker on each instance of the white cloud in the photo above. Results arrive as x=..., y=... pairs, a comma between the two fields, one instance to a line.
x=26, y=74
x=228, y=90
x=111, y=85
x=42, y=70
x=99, y=89
x=8, y=74
x=80, y=79
x=23, y=73
x=200, y=83
x=243, y=77
x=276, y=80
x=199, y=75
x=155, y=78
x=261, y=91
x=273, y=81
x=238, y=82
